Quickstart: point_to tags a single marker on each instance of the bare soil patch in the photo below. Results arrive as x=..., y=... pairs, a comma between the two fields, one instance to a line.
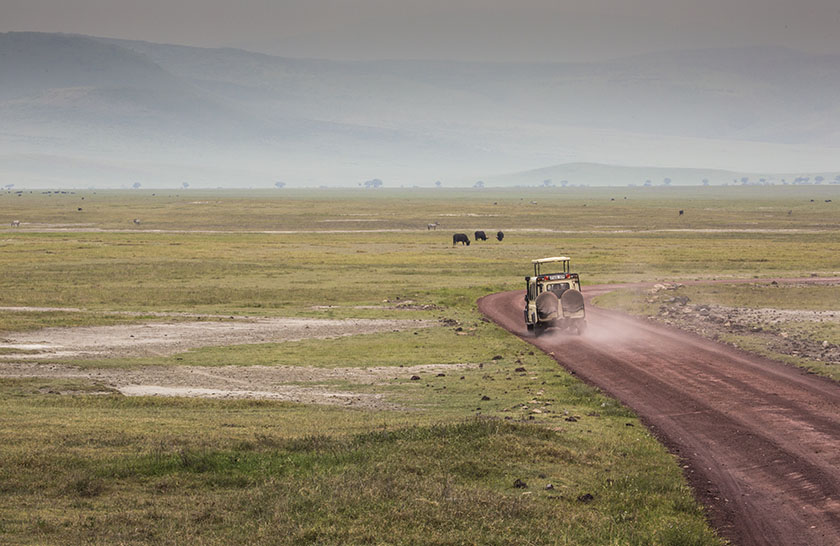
x=767, y=324
x=397, y=305
x=300, y=384
x=20, y=354
x=168, y=338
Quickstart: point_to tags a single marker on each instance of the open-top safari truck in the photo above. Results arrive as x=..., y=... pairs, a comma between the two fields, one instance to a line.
x=553, y=297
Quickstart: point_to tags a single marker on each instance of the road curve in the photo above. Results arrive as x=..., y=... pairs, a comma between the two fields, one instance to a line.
x=760, y=439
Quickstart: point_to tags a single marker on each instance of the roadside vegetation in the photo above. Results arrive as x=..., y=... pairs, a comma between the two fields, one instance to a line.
x=790, y=322
x=500, y=447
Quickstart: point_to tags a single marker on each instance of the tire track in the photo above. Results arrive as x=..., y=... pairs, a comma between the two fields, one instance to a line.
x=759, y=438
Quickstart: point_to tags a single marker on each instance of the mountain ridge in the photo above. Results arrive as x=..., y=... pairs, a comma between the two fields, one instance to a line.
x=760, y=109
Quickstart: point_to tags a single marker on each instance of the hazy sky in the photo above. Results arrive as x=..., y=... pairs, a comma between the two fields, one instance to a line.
x=525, y=30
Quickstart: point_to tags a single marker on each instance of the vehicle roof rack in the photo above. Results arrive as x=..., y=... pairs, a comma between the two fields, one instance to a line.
x=565, y=260
x=549, y=260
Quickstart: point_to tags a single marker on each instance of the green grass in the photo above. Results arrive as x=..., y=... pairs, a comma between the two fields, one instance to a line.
x=258, y=274
x=245, y=479
x=93, y=466
x=764, y=295
x=456, y=209
x=175, y=470
x=20, y=321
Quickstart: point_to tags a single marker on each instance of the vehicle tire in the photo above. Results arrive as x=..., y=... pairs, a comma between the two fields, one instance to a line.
x=530, y=327
x=580, y=327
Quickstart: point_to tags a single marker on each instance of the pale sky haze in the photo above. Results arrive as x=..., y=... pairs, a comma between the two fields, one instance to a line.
x=487, y=30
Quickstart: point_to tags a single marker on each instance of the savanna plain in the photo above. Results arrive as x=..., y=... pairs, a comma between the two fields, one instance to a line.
x=309, y=366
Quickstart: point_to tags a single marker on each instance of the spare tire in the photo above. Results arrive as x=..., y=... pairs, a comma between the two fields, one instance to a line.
x=572, y=301
x=547, y=306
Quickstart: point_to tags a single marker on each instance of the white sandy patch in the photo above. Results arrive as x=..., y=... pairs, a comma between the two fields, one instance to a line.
x=350, y=220
x=30, y=309
x=301, y=384
x=165, y=339
x=26, y=346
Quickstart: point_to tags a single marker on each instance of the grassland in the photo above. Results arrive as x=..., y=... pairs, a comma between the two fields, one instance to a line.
x=100, y=467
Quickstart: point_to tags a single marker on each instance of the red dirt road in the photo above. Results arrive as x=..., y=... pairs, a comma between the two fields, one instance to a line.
x=761, y=440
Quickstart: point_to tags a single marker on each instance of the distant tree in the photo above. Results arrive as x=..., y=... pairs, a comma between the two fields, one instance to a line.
x=136, y=185
x=374, y=183
x=10, y=186
x=837, y=179
x=479, y=184
x=279, y=185
x=185, y=185
x=745, y=180
x=564, y=183
x=666, y=181
x=762, y=180
x=547, y=183
x=438, y=183
x=819, y=179
x=705, y=181
x=648, y=183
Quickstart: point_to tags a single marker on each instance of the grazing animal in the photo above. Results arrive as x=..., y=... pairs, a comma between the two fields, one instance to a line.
x=480, y=236
x=460, y=238
x=15, y=223
x=432, y=226
x=136, y=221
x=500, y=235
x=681, y=212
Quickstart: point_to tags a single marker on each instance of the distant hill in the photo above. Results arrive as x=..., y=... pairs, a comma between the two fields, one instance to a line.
x=590, y=174
x=117, y=110
x=767, y=94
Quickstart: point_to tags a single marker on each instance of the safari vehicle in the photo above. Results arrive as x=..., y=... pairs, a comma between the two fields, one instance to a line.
x=553, y=297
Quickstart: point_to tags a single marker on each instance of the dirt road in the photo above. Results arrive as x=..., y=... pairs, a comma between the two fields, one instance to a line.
x=759, y=440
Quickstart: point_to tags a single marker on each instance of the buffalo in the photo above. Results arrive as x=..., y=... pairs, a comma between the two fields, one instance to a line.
x=500, y=236
x=480, y=236
x=460, y=238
